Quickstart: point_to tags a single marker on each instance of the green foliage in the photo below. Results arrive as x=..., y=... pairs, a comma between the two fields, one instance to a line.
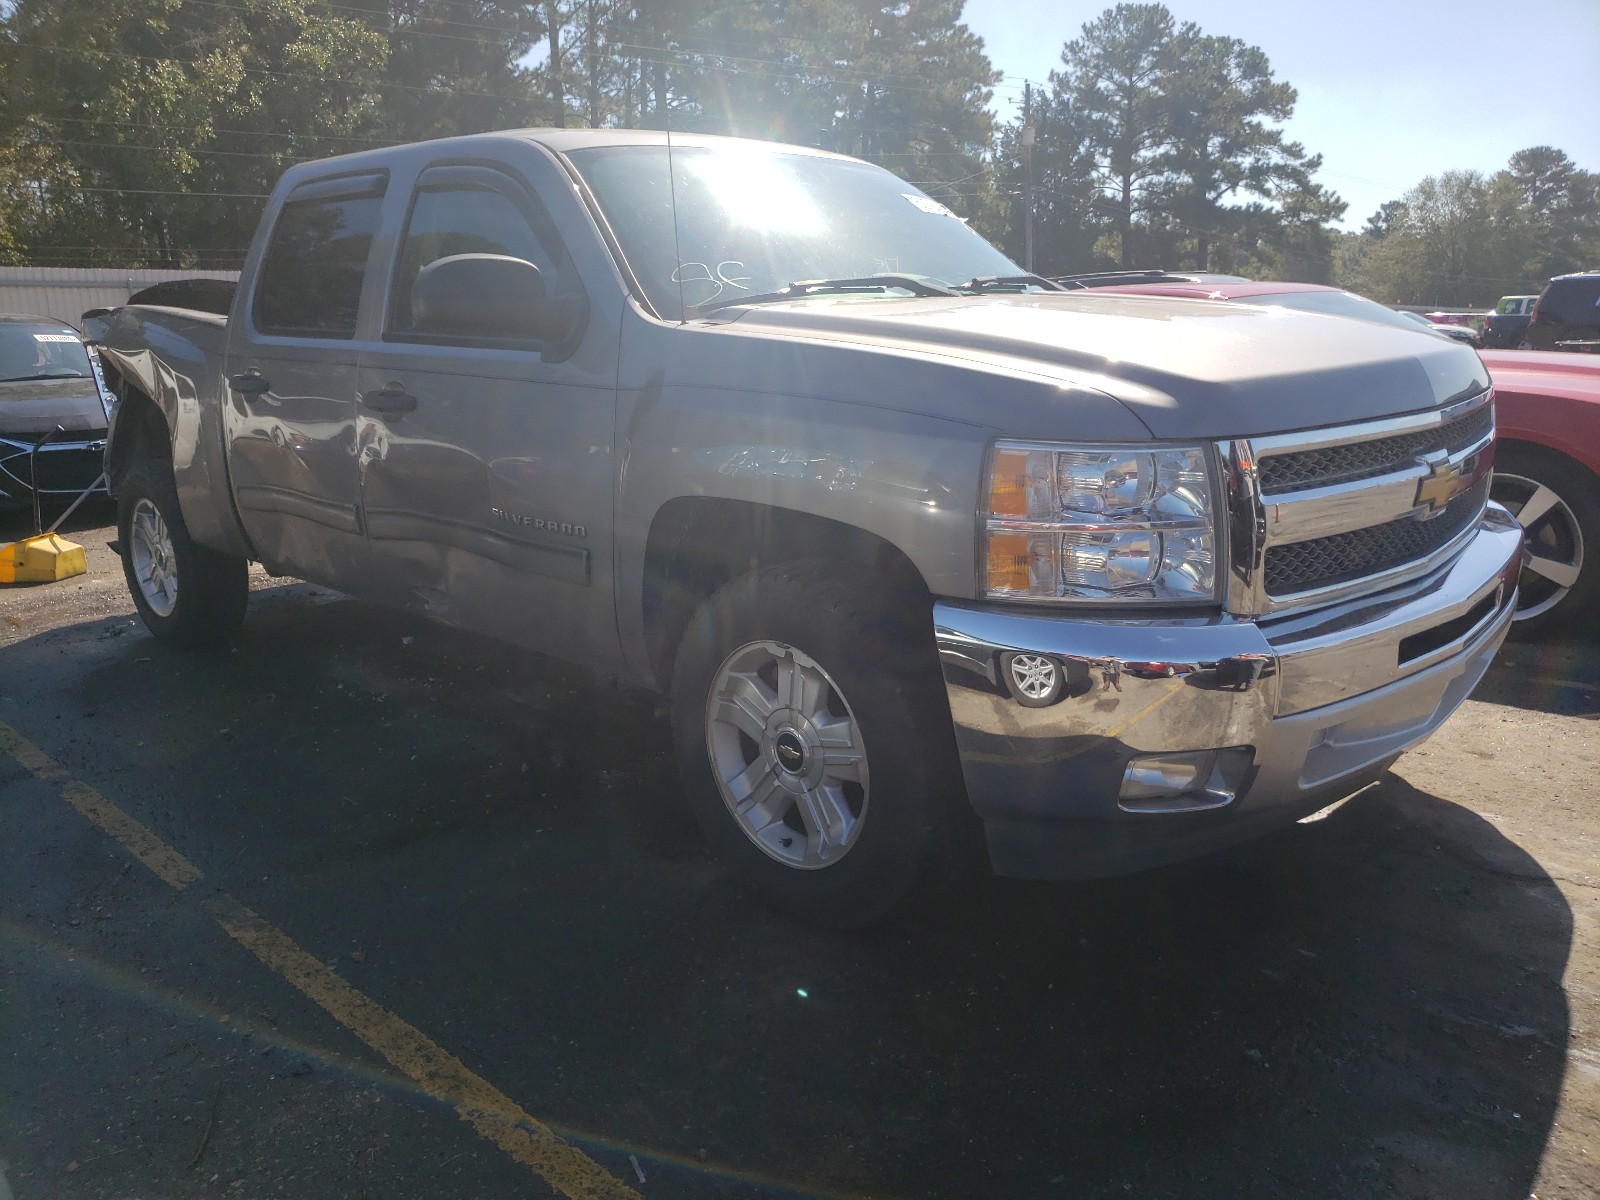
x=1157, y=145
x=147, y=132
x=1462, y=239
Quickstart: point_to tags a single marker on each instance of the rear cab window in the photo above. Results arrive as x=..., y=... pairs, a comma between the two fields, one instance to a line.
x=315, y=263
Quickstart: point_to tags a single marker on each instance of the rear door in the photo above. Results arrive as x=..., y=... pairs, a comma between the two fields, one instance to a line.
x=289, y=408
x=486, y=464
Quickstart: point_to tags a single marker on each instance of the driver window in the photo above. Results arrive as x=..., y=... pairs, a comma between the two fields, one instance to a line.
x=469, y=213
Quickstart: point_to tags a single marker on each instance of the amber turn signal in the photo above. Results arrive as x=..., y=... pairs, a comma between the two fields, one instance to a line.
x=1008, y=485
x=1010, y=562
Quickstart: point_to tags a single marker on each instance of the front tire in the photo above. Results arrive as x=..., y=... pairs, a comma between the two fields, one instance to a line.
x=186, y=593
x=814, y=740
x=1033, y=680
x=1557, y=503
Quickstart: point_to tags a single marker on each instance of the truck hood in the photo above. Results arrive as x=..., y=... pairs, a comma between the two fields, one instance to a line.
x=1187, y=369
x=32, y=406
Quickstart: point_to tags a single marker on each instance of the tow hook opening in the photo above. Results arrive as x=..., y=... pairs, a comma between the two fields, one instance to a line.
x=1449, y=632
x=1191, y=781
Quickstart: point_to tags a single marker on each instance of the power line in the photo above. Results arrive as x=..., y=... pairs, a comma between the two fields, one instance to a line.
x=372, y=143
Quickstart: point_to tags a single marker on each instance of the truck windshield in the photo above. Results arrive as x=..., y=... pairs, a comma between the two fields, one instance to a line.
x=752, y=220
x=41, y=352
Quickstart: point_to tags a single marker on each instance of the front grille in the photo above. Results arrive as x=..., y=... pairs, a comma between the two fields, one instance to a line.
x=1355, y=461
x=1344, y=557
x=60, y=471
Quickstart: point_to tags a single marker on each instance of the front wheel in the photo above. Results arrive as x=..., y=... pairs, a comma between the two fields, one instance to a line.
x=185, y=593
x=1557, y=503
x=814, y=740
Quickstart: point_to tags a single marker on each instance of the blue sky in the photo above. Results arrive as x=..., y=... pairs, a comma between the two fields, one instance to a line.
x=1390, y=90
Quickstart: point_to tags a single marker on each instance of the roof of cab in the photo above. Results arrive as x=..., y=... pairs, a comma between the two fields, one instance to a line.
x=558, y=141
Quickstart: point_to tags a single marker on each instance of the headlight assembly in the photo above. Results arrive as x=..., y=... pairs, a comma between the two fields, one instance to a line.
x=1098, y=523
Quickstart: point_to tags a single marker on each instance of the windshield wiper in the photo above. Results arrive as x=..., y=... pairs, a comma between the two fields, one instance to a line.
x=801, y=288
x=46, y=375
x=1009, y=283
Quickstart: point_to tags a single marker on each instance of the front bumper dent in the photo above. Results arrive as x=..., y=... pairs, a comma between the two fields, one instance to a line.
x=1314, y=707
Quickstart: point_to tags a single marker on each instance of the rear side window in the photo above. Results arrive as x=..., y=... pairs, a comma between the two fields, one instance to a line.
x=311, y=275
x=1572, y=301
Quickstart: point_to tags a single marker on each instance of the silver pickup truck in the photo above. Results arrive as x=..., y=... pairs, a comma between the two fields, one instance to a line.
x=905, y=533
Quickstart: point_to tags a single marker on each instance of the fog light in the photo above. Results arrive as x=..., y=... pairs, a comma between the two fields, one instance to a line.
x=1194, y=779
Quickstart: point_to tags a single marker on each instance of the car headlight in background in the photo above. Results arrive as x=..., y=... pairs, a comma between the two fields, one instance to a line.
x=1096, y=523
x=107, y=400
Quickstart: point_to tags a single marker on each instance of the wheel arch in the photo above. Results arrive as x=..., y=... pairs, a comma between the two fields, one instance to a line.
x=174, y=414
x=698, y=543
x=1519, y=442
x=138, y=427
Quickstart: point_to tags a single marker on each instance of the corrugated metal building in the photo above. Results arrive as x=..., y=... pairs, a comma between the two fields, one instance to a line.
x=65, y=293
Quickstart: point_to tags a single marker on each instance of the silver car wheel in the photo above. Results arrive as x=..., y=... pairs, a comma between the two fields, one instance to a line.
x=1033, y=674
x=1554, y=559
x=787, y=755
x=154, y=564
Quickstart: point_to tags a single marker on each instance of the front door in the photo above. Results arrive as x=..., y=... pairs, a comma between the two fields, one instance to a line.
x=290, y=385
x=486, y=464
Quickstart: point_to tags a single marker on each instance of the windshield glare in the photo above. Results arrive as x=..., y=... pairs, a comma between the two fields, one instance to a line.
x=753, y=220
x=41, y=351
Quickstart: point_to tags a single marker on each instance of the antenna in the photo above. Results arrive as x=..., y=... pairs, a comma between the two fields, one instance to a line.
x=677, y=249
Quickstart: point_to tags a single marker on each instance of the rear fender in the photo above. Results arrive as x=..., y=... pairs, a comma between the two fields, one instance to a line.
x=167, y=368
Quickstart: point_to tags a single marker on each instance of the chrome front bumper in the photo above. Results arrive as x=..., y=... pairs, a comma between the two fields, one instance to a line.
x=1312, y=708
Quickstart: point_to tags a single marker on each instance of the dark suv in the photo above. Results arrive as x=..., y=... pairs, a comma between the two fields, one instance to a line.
x=1567, y=316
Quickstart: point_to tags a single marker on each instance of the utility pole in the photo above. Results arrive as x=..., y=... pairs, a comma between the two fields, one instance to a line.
x=1027, y=168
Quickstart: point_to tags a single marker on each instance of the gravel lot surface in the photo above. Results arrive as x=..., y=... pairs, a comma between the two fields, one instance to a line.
x=448, y=932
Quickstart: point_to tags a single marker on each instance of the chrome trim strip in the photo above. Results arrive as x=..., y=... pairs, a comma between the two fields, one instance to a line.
x=1342, y=651
x=1367, y=431
x=1258, y=521
x=1328, y=511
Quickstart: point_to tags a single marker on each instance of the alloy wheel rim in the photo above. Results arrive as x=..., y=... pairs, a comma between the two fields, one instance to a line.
x=787, y=754
x=1554, y=558
x=154, y=563
x=1034, y=675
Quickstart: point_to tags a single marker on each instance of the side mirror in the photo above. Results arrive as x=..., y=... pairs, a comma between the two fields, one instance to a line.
x=490, y=296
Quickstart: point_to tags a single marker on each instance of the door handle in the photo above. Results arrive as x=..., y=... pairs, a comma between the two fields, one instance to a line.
x=391, y=399
x=251, y=384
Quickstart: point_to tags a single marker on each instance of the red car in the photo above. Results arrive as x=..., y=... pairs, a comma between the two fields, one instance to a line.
x=1547, y=463
x=1547, y=471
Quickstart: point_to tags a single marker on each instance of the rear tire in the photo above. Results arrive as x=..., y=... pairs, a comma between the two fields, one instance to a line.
x=814, y=740
x=186, y=593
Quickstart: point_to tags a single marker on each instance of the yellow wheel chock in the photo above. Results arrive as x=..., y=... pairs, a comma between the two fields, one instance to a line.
x=46, y=556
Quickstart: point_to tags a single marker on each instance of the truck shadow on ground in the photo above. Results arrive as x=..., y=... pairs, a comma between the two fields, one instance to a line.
x=1369, y=1004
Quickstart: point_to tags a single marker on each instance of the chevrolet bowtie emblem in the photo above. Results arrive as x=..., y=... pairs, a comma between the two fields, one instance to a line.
x=1440, y=485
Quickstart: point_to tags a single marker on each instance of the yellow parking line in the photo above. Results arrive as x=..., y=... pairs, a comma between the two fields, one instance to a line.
x=494, y=1115
x=169, y=866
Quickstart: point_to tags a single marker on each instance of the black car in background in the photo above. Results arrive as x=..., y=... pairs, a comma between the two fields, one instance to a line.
x=1567, y=315
x=49, y=379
